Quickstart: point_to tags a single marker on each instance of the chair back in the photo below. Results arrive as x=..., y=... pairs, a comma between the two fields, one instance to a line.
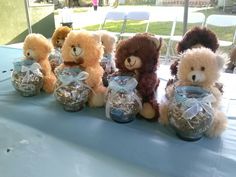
x=226, y=23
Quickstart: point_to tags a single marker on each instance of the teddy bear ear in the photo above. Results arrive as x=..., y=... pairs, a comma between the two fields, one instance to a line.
x=97, y=37
x=157, y=41
x=221, y=58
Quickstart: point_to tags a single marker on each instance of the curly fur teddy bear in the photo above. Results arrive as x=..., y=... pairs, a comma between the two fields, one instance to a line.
x=57, y=40
x=108, y=41
x=37, y=47
x=195, y=38
x=139, y=56
x=231, y=64
x=84, y=50
x=198, y=67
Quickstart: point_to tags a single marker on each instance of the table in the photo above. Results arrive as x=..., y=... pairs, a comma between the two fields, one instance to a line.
x=39, y=139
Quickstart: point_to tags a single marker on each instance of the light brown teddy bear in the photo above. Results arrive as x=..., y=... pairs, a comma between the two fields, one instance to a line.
x=59, y=36
x=84, y=50
x=57, y=40
x=37, y=47
x=108, y=41
x=198, y=67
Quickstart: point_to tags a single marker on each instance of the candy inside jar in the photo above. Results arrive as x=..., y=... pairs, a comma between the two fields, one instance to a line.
x=55, y=58
x=123, y=103
x=71, y=90
x=190, y=112
x=108, y=66
x=27, y=78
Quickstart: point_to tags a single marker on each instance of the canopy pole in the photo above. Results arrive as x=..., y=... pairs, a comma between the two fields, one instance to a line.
x=28, y=16
x=185, y=24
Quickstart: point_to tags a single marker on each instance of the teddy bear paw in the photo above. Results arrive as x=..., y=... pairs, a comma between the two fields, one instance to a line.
x=96, y=100
x=147, y=111
x=218, y=126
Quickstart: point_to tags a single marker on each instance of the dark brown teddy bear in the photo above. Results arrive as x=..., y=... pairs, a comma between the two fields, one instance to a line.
x=139, y=56
x=231, y=64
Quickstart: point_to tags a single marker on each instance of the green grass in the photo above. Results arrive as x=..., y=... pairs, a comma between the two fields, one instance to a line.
x=164, y=28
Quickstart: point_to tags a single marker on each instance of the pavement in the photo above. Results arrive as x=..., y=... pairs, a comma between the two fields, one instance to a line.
x=91, y=17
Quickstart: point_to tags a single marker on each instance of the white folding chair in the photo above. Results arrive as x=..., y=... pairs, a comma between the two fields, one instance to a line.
x=113, y=16
x=223, y=22
x=195, y=18
x=142, y=16
x=167, y=32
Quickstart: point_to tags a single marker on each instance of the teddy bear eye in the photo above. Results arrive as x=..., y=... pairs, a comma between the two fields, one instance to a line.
x=202, y=68
x=192, y=68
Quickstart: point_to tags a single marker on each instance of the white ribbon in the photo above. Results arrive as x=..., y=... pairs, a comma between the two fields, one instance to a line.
x=34, y=68
x=66, y=80
x=196, y=105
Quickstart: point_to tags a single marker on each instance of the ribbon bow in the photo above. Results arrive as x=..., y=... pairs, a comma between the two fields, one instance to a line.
x=196, y=105
x=118, y=86
x=66, y=80
x=34, y=68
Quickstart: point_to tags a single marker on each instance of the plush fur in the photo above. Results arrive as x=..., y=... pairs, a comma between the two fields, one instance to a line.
x=195, y=38
x=199, y=67
x=83, y=49
x=38, y=48
x=231, y=64
x=139, y=56
x=59, y=36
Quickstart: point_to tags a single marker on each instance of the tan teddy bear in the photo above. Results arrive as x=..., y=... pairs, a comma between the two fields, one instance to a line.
x=57, y=40
x=37, y=47
x=84, y=50
x=198, y=67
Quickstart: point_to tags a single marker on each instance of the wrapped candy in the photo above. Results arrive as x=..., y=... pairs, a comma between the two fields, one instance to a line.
x=123, y=103
x=191, y=113
x=71, y=90
x=55, y=58
x=108, y=65
x=27, y=77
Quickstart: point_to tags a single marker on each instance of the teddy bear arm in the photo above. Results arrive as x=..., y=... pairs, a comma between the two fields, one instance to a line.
x=95, y=76
x=147, y=86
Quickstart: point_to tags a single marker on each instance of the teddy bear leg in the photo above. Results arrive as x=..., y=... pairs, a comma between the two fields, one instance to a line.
x=49, y=83
x=148, y=112
x=97, y=99
x=218, y=125
x=164, y=120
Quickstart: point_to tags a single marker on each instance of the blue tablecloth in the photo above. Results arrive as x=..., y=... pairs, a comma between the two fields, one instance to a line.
x=39, y=139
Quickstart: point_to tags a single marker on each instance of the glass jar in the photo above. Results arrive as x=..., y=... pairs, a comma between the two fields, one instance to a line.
x=123, y=103
x=190, y=112
x=55, y=58
x=108, y=66
x=71, y=90
x=27, y=77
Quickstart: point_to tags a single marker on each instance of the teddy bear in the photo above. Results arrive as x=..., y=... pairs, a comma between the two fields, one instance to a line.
x=139, y=56
x=231, y=64
x=108, y=41
x=198, y=67
x=57, y=40
x=194, y=38
x=36, y=47
x=83, y=49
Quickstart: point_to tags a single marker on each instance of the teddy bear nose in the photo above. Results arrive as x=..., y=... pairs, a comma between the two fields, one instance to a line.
x=129, y=60
x=74, y=49
x=193, y=77
x=28, y=54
